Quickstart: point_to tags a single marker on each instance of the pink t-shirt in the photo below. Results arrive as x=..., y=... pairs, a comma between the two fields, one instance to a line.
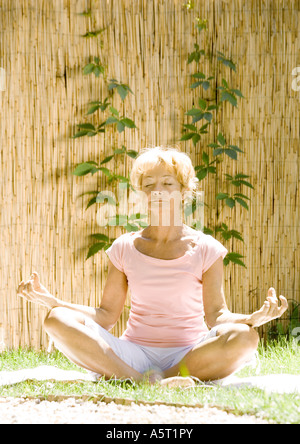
x=166, y=295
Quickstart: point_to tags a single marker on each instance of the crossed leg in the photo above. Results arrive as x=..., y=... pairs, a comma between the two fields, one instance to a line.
x=215, y=358
x=220, y=356
x=83, y=346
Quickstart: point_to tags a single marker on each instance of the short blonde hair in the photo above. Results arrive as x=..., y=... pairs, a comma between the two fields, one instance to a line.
x=174, y=160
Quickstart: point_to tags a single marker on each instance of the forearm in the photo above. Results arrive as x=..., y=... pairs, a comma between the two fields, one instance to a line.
x=227, y=316
x=96, y=314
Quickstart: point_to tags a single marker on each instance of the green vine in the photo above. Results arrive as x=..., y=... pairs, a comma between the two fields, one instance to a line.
x=205, y=113
x=120, y=122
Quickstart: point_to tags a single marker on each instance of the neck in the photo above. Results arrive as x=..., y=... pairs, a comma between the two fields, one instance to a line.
x=163, y=234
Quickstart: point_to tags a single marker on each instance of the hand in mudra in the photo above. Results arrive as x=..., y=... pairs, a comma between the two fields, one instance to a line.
x=270, y=310
x=34, y=291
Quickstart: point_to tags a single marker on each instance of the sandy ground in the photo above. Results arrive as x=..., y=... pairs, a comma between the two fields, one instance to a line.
x=78, y=411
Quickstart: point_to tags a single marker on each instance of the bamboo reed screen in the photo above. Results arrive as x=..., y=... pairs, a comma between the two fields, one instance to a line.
x=44, y=224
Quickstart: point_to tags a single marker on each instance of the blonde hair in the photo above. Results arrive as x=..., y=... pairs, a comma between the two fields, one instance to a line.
x=172, y=159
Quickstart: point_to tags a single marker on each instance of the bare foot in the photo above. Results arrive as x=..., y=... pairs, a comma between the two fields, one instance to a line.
x=177, y=381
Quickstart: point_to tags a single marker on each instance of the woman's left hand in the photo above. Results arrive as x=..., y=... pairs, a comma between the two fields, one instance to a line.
x=270, y=310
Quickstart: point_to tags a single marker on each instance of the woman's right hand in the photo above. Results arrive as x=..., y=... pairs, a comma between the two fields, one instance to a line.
x=34, y=291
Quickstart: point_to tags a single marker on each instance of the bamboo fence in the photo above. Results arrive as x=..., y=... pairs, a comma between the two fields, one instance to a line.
x=44, y=222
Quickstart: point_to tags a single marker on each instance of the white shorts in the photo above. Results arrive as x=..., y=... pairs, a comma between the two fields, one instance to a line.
x=142, y=358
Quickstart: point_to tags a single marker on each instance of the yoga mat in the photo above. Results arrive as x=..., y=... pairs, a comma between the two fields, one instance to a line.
x=273, y=383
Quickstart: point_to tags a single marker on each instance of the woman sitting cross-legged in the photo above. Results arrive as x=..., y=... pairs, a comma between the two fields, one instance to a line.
x=178, y=317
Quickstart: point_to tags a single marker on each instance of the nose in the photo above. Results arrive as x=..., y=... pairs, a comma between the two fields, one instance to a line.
x=159, y=194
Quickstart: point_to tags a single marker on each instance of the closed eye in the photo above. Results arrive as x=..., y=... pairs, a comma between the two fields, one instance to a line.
x=165, y=184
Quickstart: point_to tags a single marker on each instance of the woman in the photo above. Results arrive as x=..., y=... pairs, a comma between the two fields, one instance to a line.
x=175, y=276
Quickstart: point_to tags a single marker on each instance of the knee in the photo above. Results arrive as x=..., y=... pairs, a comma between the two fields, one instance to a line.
x=248, y=337
x=241, y=337
x=55, y=319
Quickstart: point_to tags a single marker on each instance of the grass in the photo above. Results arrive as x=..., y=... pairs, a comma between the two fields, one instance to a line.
x=275, y=357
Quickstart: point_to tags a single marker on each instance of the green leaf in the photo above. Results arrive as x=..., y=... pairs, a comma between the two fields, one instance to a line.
x=205, y=85
x=242, y=202
x=91, y=202
x=119, y=151
x=128, y=122
x=242, y=195
x=221, y=139
x=203, y=127
x=240, y=176
x=122, y=91
x=120, y=127
x=107, y=159
x=238, y=93
x=234, y=257
x=196, y=84
x=230, y=202
x=214, y=145
x=198, y=117
x=236, y=148
x=196, y=139
x=224, y=83
x=218, y=151
x=221, y=196
x=247, y=184
x=117, y=220
x=102, y=196
x=114, y=111
x=93, y=109
x=208, y=116
x=111, y=120
x=202, y=174
x=123, y=178
x=113, y=84
x=227, y=62
x=236, y=235
x=199, y=75
x=98, y=70
x=212, y=169
x=205, y=158
x=191, y=58
x=194, y=112
x=202, y=104
x=100, y=236
x=95, y=248
x=231, y=153
x=132, y=153
x=88, y=69
x=83, y=169
x=187, y=136
x=131, y=227
x=79, y=134
x=225, y=95
x=105, y=171
x=190, y=127
x=86, y=126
